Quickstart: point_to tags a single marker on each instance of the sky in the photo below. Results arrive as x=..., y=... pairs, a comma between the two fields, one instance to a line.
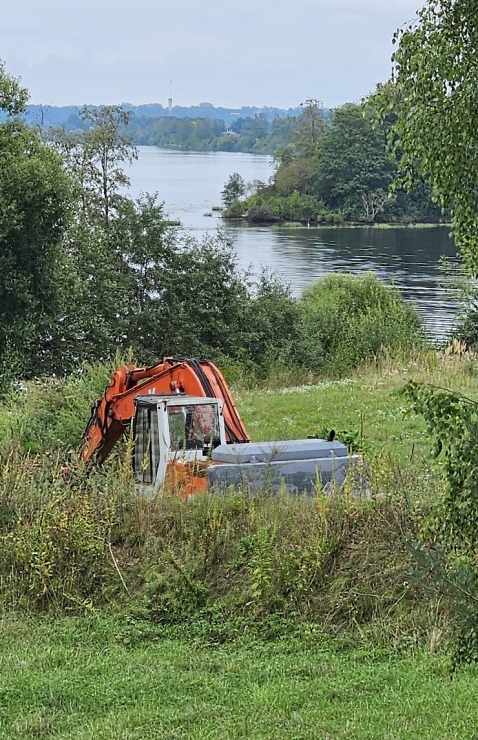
x=247, y=53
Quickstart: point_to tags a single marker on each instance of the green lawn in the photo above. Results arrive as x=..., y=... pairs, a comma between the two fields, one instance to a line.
x=80, y=679
x=97, y=678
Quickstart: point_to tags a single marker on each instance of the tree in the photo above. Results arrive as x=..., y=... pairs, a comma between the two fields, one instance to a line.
x=297, y=163
x=183, y=297
x=234, y=189
x=432, y=101
x=96, y=156
x=94, y=302
x=354, y=168
x=271, y=330
x=13, y=97
x=34, y=205
x=93, y=292
x=311, y=126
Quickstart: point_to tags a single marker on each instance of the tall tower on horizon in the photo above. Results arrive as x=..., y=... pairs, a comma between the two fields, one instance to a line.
x=170, y=99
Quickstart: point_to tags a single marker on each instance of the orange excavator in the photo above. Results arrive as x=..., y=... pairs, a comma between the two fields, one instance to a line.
x=188, y=434
x=196, y=411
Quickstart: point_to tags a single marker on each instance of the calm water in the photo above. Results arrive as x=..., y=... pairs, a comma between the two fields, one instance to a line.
x=190, y=185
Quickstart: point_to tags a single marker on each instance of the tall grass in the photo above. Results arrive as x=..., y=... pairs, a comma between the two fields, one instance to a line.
x=226, y=564
x=233, y=563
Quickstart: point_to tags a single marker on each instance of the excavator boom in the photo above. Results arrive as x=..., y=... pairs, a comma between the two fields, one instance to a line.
x=113, y=411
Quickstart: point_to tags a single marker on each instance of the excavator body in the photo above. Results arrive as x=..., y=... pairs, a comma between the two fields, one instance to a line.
x=188, y=436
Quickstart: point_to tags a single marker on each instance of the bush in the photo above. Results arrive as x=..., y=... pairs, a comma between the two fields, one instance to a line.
x=50, y=414
x=346, y=320
x=261, y=214
x=57, y=534
x=294, y=207
x=466, y=328
x=340, y=322
x=235, y=210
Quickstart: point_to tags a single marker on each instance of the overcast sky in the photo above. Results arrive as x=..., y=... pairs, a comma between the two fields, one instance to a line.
x=249, y=52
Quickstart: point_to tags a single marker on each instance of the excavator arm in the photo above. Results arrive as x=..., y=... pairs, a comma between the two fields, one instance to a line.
x=113, y=411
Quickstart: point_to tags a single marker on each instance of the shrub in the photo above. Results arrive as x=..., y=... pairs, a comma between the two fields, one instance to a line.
x=261, y=215
x=50, y=414
x=346, y=320
x=466, y=329
x=56, y=535
x=235, y=210
x=221, y=564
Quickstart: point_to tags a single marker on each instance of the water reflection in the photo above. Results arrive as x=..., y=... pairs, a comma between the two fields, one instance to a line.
x=406, y=257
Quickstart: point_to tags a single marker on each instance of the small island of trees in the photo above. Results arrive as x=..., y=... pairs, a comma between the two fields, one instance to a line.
x=336, y=168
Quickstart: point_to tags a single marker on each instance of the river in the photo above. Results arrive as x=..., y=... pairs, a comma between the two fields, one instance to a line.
x=190, y=185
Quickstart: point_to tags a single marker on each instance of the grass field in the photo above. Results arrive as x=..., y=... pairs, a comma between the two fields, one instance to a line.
x=378, y=671
x=80, y=679
x=367, y=402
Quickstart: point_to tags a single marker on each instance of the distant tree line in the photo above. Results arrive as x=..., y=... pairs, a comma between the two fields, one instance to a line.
x=67, y=116
x=254, y=134
x=198, y=128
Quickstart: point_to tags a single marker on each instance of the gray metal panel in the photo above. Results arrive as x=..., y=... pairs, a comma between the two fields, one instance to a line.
x=150, y=400
x=300, y=476
x=292, y=449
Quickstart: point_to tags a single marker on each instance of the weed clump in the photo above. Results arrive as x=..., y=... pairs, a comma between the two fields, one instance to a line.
x=222, y=565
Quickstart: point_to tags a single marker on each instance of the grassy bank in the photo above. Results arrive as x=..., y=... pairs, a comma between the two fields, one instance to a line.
x=84, y=679
x=237, y=616
x=344, y=561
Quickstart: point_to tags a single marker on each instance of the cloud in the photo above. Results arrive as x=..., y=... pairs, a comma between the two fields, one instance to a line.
x=275, y=52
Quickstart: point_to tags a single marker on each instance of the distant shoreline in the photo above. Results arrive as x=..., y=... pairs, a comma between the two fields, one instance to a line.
x=338, y=225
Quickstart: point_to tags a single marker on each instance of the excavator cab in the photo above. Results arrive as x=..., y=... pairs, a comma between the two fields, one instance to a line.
x=171, y=428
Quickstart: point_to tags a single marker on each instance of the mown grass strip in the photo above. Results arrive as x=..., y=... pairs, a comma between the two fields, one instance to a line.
x=76, y=679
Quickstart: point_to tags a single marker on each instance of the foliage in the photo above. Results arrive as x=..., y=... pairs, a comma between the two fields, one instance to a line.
x=95, y=155
x=184, y=134
x=430, y=101
x=311, y=128
x=34, y=206
x=213, y=558
x=224, y=566
x=451, y=532
x=181, y=297
x=337, y=168
x=57, y=535
x=193, y=133
x=94, y=301
x=270, y=326
x=56, y=558
x=298, y=161
x=233, y=190
x=130, y=279
x=48, y=416
x=13, y=97
x=346, y=320
x=465, y=292
x=354, y=170
x=294, y=207
x=466, y=326
x=294, y=176
x=146, y=285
